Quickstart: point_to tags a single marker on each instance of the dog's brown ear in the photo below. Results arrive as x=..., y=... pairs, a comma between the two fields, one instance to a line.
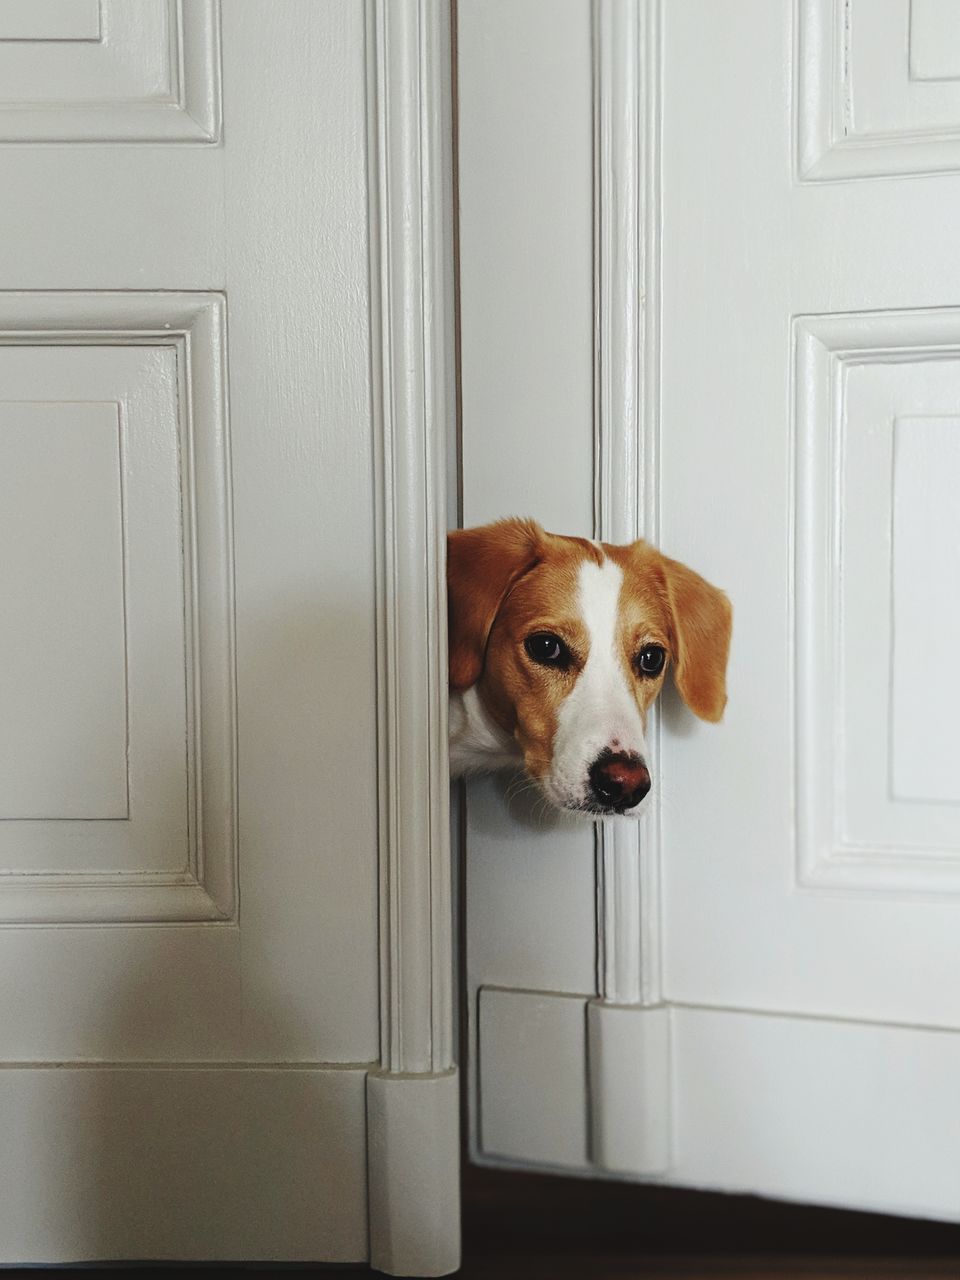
x=701, y=623
x=482, y=566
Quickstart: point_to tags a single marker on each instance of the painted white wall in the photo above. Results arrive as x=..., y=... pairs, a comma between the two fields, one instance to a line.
x=752, y=995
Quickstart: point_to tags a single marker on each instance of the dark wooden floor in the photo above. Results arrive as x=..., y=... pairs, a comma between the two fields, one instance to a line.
x=528, y=1225
x=521, y=1226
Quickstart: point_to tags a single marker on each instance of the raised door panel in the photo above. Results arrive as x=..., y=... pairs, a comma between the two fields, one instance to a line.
x=63, y=754
x=50, y=20
x=120, y=800
x=115, y=70
x=877, y=538
x=934, y=40
x=532, y=1067
x=878, y=87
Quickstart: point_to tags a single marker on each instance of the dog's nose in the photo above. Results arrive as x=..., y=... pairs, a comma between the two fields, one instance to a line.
x=618, y=781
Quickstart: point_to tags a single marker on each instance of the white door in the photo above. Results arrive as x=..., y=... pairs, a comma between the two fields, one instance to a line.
x=711, y=291
x=202, y=1017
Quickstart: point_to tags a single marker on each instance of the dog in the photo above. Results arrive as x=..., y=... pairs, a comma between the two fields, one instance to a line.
x=557, y=648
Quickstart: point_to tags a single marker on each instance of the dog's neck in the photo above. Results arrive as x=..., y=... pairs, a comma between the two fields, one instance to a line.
x=477, y=743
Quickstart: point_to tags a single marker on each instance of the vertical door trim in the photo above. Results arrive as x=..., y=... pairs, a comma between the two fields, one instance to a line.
x=626, y=54
x=628, y=1027
x=412, y=1101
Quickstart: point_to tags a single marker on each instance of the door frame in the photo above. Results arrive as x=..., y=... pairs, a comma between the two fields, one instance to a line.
x=414, y=1206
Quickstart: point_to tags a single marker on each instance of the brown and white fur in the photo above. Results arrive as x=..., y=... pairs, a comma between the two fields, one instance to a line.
x=558, y=647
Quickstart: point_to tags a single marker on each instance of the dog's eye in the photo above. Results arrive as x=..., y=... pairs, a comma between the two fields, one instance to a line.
x=547, y=649
x=650, y=660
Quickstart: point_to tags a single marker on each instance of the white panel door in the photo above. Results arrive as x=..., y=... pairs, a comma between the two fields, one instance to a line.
x=765, y=304
x=195, y=490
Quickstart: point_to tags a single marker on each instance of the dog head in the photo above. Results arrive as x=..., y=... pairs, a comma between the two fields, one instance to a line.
x=568, y=643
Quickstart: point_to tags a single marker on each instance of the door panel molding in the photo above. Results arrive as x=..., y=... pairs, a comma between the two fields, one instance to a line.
x=134, y=71
x=875, y=106
x=862, y=381
x=45, y=879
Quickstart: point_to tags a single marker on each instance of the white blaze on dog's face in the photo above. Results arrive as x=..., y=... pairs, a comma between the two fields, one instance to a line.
x=601, y=718
x=568, y=641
